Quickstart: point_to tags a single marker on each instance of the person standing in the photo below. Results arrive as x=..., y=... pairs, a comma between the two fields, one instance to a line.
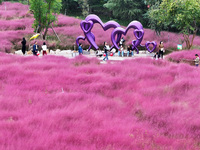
x=44, y=49
x=122, y=50
x=161, y=49
x=121, y=42
x=196, y=61
x=119, y=51
x=106, y=49
x=80, y=50
x=23, y=45
x=35, y=49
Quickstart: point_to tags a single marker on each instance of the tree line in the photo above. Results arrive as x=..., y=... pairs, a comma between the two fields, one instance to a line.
x=121, y=10
x=173, y=15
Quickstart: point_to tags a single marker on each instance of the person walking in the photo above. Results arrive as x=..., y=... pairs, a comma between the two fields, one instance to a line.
x=35, y=49
x=161, y=49
x=196, y=61
x=44, y=49
x=106, y=49
x=80, y=50
x=23, y=45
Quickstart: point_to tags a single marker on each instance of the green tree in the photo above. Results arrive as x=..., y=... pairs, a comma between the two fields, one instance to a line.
x=84, y=7
x=96, y=6
x=126, y=9
x=45, y=12
x=151, y=2
x=70, y=7
x=182, y=14
x=154, y=17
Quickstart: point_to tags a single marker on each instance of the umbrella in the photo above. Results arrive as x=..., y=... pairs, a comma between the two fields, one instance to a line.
x=34, y=36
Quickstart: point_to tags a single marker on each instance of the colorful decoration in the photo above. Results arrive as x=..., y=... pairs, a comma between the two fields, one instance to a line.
x=34, y=36
x=118, y=31
x=154, y=46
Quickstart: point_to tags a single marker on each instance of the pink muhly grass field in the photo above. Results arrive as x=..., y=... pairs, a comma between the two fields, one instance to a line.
x=58, y=103
x=183, y=56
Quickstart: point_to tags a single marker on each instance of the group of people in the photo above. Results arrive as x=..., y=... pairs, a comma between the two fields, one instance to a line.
x=129, y=51
x=35, y=49
x=106, y=49
x=121, y=50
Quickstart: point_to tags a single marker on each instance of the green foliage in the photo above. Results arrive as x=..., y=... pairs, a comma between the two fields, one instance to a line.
x=122, y=11
x=182, y=14
x=0, y=1
x=154, y=17
x=70, y=7
x=45, y=12
x=152, y=2
x=126, y=9
x=84, y=6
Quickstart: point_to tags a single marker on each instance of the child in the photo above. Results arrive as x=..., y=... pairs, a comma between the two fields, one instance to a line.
x=196, y=60
x=161, y=49
x=80, y=50
x=99, y=53
x=156, y=55
x=121, y=50
x=106, y=49
x=44, y=49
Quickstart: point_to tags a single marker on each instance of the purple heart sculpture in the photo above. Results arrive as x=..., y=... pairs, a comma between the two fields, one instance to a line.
x=81, y=38
x=134, y=47
x=139, y=32
x=86, y=26
x=154, y=46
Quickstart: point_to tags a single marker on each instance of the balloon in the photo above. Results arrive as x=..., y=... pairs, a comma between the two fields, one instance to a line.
x=34, y=36
x=104, y=54
x=111, y=54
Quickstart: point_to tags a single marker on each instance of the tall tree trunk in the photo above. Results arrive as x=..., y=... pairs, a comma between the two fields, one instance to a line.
x=189, y=43
x=48, y=23
x=45, y=32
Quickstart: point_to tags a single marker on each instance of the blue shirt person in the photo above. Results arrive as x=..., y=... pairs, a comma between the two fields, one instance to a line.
x=80, y=50
x=35, y=48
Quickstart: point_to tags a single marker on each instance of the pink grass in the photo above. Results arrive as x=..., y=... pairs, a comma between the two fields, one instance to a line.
x=184, y=55
x=58, y=103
